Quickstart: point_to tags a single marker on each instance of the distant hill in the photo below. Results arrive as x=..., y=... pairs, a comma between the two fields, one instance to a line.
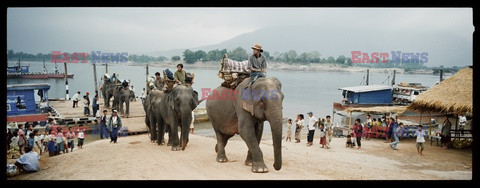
x=443, y=48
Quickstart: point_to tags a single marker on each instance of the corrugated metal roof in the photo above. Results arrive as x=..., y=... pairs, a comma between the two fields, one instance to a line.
x=359, y=89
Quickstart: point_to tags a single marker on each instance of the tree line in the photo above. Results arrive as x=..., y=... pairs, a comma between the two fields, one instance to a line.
x=12, y=55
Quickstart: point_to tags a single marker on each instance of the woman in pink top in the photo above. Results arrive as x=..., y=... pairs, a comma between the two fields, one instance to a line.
x=70, y=136
x=21, y=139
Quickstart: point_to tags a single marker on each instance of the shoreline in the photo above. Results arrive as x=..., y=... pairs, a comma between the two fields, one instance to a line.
x=316, y=67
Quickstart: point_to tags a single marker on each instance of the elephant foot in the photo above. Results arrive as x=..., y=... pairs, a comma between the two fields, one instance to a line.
x=169, y=143
x=222, y=159
x=248, y=162
x=176, y=148
x=161, y=143
x=259, y=168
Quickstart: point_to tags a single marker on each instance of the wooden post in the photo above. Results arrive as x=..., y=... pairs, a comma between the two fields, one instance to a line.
x=393, y=79
x=457, y=134
x=67, y=97
x=421, y=112
x=367, y=76
x=95, y=77
x=350, y=123
x=430, y=125
x=106, y=67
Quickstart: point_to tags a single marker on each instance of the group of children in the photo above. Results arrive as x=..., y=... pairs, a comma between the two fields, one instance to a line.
x=392, y=134
x=325, y=128
x=54, y=142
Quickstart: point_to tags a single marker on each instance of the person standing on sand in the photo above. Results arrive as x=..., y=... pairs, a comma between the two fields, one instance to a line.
x=445, y=135
x=289, y=131
x=114, y=124
x=420, y=139
x=322, y=135
x=86, y=109
x=70, y=136
x=358, y=131
x=95, y=105
x=22, y=140
x=312, y=122
x=59, y=141
x=299, y=122
x=103, y=125
x=81, y=137
x=328, y=125
x=75, y=99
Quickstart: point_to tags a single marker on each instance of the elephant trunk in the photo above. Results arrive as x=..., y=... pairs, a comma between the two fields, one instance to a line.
x=186, y=119
x=276, y=126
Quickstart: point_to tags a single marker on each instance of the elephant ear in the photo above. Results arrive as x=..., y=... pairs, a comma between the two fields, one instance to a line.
x=171, y=101
x=252, y=100
x=194, y=103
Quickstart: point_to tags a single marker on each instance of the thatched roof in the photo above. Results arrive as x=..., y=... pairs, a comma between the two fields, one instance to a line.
x=379, y=109
x=452, y=95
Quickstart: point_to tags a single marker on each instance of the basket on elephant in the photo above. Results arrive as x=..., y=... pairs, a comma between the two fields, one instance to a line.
x=233, y=72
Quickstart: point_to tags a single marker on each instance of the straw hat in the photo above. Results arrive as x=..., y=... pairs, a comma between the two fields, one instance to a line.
x=257, y=47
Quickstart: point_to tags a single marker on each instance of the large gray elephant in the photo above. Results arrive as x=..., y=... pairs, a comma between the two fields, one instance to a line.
x=107, y=91
x=122, y=95
x=245, y=114
x=151, y=105
x=176, y=108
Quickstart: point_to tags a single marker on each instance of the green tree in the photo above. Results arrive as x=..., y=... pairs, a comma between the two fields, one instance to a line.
x=200, y=55
x=176, y=58
x=331, y=60
x=238, y=54
x=341, y=60
x=189, y=56
x=314, y=57
x=291, y=56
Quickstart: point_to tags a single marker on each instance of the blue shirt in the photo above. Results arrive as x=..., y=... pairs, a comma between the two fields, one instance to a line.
x=29, y=161
x=31, y=142
x=51, y=146
x=94, y=103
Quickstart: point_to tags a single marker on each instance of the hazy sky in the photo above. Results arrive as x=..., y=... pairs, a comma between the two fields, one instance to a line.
x=137, y=30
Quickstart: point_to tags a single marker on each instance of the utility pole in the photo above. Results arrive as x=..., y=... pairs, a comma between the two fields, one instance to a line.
x=393, y=79
x=441, y=75
x=367, y=76
x=66, y=82
x=95, y=77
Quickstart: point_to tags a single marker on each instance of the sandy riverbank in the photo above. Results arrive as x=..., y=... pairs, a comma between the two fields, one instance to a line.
x=135, y=158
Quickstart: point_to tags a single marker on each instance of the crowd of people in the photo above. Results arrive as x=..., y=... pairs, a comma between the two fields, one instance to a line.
x=86, y=103
x=384, y=128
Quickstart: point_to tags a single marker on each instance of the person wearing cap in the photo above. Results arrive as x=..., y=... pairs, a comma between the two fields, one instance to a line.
x=312, y=122
x=257, y=63
x=114, y=124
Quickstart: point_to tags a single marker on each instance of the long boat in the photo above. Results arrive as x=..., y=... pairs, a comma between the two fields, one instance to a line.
x=23, y=72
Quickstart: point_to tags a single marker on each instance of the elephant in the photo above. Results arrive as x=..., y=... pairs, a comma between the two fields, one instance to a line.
x=107, y=90
x=176, y=108
x=122, y=95
x=151, y=106
x=244, y=114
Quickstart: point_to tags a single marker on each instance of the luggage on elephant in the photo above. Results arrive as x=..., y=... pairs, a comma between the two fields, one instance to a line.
x=233, y=72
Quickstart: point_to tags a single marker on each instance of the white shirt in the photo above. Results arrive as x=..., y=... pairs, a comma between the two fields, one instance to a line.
x=114, y=120
x=81, y=135
x=85, y=103
x=143, y=94
x=311, y=122
x=75, y=97
x=14, y=142
x=462, y=120
x=420, y=136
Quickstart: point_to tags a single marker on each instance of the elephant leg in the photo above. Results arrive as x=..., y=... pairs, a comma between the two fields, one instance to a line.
x=220, y=147
x=246, y=128
x=153, y=128
x=258, y=134
x=174, y=137
x=160, y=131
x=167, y=129
x=127, y=107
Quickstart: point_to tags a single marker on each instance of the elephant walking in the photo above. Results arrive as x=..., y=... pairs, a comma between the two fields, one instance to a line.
x=122, y=95
x=107, y=89
x=176, y=108
x=244, y=113
x=151, y=105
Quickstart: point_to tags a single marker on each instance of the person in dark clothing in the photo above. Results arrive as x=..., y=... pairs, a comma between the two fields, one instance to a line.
x=358, y=130
x=103, y=125
x=95, y=105
x=114, y=124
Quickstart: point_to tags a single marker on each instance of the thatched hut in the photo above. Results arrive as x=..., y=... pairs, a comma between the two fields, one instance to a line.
x=451, y=96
